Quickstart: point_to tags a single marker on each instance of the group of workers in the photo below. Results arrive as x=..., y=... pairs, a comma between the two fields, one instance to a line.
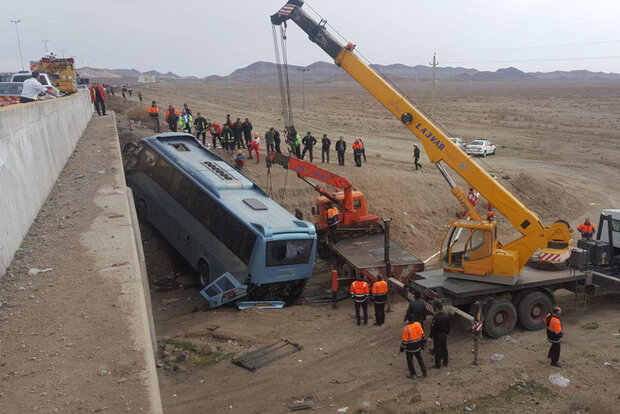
x=301, y=146
x=414, y=339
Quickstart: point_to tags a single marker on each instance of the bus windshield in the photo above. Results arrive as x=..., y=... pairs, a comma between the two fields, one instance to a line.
x=288, y=252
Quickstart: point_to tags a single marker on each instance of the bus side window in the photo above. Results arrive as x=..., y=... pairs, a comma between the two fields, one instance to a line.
x=162, y=173
x=179, y=187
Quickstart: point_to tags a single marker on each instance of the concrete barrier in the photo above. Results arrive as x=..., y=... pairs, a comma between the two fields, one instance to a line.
x=36, y=139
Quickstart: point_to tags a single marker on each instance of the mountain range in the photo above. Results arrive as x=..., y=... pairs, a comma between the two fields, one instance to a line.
x=266, y=72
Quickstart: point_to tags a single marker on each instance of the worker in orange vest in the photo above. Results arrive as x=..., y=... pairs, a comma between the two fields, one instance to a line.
x=359, y=292
x=333, y=218
x=413, y=338
x=379, y=296
x=586, y=229
x=554, y=335
x=154, y=115
x=172, y=118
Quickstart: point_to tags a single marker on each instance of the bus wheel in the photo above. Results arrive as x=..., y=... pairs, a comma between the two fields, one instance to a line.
x=204, y=274
x=500, y=318
x=532, y=310
x=142, y=211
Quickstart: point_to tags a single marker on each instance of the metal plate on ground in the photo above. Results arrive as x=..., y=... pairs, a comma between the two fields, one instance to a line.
x=266, y=355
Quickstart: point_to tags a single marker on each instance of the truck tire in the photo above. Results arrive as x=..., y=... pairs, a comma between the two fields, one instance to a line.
x=500, y=318
x=204, y=274
x=142, y=212
x=532, y=309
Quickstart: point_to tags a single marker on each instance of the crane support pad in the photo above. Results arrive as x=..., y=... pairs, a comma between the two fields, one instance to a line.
x=266, y=355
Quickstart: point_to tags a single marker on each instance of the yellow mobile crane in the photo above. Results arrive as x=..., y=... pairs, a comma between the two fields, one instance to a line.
x=470, y=249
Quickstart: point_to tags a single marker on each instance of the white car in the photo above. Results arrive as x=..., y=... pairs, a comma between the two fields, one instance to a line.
x=458, y=142
x=480, y=147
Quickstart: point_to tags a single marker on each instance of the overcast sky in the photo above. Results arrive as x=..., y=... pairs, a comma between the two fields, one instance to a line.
x=204, y=37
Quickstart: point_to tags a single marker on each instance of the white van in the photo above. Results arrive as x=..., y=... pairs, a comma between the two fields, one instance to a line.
x=44, y=79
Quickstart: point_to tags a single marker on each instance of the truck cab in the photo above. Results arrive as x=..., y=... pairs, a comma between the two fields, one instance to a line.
x=322, y=204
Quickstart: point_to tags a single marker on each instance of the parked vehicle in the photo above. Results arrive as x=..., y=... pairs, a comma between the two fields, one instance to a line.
x=82, y=88
x=10, y=93
x=240, y=242
x=44, y=79
x=481, y=147
x=459, y=142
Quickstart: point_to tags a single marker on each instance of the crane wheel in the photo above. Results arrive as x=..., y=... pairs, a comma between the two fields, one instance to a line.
x=531, y=310
x=500, y=318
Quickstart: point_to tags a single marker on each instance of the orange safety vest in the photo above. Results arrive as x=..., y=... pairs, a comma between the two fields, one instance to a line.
x=554, y=328
x=586, y=228
x=359, y=290
x=153, y=111
x=413, y=334
x=380, y=287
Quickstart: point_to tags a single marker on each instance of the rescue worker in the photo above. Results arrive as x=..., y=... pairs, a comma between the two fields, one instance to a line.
x=239, y=160
x=154, y=115
x=554, y=335
x=586, y=229
x=341, y=147
x=237, y=130
x=254, y=146
x=332, y=221
x=357, y=153
x=201, y=128
x=172, y=118
x=416, y=157
x=363, y=149
x=186, y=121
x=228, y=141
x=294, y=141
x=440, y=328
x=269, y=136
x=228, y=121
x=379, y=297
x=325, y=144
x=247, y=131
x=97, y=96
x=216, y=133
x=412, y=342
x=359, y=292
x=417, y=309
x=309, y=142
x=276, y=141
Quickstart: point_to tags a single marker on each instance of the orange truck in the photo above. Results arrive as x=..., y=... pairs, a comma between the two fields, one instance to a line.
x=61, y=71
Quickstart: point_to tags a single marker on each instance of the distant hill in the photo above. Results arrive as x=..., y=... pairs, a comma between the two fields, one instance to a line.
x=97, y=73
x=324, y=71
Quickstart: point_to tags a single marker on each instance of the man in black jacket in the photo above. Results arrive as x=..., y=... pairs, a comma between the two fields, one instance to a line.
x=341, y=147
x=276, y=141
x=309, y=142
x=325, y=144
x=440, y=328
x=201, y=128
x=237, y=130
x=247, y=131
x=417, y=310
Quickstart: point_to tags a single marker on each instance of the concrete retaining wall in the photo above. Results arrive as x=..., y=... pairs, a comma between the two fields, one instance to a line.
x=36, y=140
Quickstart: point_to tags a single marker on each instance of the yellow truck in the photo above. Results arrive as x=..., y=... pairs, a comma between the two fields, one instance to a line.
x=60, y=70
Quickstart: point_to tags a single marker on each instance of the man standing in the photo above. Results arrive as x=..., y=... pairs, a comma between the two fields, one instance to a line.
x=172, y=118
x=417, y=309
x=332, y=221
x=186, y=121
x=379, y=296
x=228, y=121
x=363, y=149
x=554, y=335
x=309, y=142
x=228, y=140
x=359, y=292
x=473, y=199
x=247, y=131
x=416, y=157
x=296, y=142
x=216, y=133
x=201, y=128
x=254, y=146
x=341, y=147
x=440, y=328
x=154, y=115
x=276, y=141
x=32, y=88
x=130, y=92
x=237, y=130
x=357, y=153
x=325, y=144
x=412, y=341
x=97, y=96
x=269, y=135
x=140, y=95
x=186, y=108
x=586, y=229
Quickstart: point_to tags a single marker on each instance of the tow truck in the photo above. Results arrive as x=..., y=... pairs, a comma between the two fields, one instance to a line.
x=475, y=265
x=364, y=246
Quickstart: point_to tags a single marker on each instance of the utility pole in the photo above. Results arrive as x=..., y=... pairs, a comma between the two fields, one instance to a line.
x=434, y=65
x=303, y=87
x=45, y=41
x=19, y=45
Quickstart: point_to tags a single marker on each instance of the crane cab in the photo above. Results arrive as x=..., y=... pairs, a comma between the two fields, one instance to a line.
x=359, y=218
x=470, y=249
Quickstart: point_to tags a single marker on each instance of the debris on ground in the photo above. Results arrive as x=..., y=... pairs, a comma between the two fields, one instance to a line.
x=342, y=410
x=34, y=271
x=559, y=380
x=497, y=357
x=266, y=355
x=308, y=403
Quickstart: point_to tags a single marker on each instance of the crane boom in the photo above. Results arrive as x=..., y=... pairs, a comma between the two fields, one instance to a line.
x=439, y=148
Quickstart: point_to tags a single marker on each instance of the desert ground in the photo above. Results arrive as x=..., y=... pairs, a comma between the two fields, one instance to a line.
x=558, y=152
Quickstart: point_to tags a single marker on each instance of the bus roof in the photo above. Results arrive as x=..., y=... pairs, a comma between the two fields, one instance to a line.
x=237, y=192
